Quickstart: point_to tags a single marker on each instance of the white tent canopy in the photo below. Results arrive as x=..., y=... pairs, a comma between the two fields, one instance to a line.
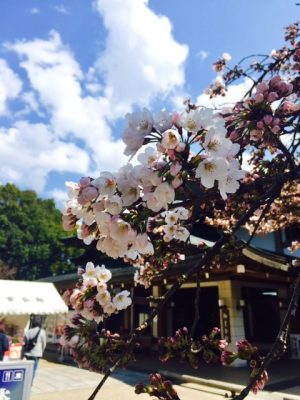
x=22, y=297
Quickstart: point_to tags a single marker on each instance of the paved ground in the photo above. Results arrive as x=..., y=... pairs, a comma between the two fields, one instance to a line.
x=63, y=382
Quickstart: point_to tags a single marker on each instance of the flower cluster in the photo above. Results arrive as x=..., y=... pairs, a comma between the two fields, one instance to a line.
x=91, y=349
x=92, y=299
x=142, y=212
x=185, y=348
x=158, y=387
x=245, y=351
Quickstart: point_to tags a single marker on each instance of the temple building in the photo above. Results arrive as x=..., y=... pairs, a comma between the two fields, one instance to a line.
x=246, y=298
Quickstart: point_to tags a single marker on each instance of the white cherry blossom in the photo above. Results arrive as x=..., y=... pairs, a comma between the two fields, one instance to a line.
x=122, y=300
x=153, y=202
x=101, y=287
x=211, y=169
x=103, y=220
x=121, y=230
x=163, y=120
x=130, y=195
x=140, y=124
x=171, y=218
x=113, y=248
x=90, y=272
x=88, y=217
x=73, y=189
x=143, y=244
x=103, y=274
x=170, y=230
x=216, y=144
x=182, y=234
x=192, y=120
x=133, y=140
x=230, y=184
x=109, y=308
x=170, y=139
x=106, y=183
x=148, y=157
x=141, y=121
x=165, y=194
x=183, y=213
x=103, y=298
x=113, y=204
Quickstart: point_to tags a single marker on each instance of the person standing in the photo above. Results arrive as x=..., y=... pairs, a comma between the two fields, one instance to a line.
x=37, y=335
x=4, y=342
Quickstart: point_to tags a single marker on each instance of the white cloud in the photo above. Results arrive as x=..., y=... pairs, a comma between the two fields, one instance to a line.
x=34, y=11
x=141, y=59
x=56, y=77
x=235, y=93
x=60, y=197
x=60, y=9
x=10, y=85
x=29, y=151
x=202, y=54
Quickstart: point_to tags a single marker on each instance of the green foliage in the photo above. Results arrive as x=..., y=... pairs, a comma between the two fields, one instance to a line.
x=30, y=232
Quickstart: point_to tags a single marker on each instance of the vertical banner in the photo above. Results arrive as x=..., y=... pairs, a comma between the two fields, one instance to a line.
x=15, y=380
x=225, y=324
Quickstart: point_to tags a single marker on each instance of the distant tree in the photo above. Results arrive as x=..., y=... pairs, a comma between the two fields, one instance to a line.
x=30, y=233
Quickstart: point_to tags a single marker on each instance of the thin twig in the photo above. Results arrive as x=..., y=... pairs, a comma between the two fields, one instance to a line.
x=265, y=210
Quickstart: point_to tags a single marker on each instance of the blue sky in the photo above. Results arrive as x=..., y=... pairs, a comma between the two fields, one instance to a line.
x=70, y=70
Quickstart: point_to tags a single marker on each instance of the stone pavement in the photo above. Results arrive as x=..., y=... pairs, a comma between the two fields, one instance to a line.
x=63, y=382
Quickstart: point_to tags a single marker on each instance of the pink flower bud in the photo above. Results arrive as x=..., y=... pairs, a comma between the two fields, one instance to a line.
x=259, y=97
x=273, y=96
x=275, y=129
x=155, y=379
x=262, y=87
x=268, y=119
x=227, y=357
x=222, y=344
x=84, y=182
x=274, y=81
x=260, y=125
x=87, y=194
x=285, y=89
x=233, y=135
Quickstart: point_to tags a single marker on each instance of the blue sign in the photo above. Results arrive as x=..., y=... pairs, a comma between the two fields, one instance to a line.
x=15, y=380
x=11, y=384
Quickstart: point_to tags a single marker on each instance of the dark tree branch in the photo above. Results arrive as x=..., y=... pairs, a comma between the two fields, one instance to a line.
x=265, y=210
x=279, y=345
x=204, y=261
